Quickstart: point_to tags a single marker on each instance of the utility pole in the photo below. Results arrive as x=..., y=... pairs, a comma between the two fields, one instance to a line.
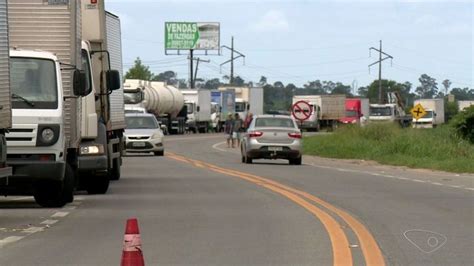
x=232, y=58
x=191, y=59
x=197, y=66
x=387, y=56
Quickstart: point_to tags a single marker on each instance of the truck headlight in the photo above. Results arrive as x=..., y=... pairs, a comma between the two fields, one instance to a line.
x=47, y=135
x=92, y=150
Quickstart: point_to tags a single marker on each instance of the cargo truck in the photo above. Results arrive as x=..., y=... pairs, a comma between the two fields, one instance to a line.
x=326, y=110
x=247, y=99
x=391, y=112
x=164, y=101
x=434, y=113
x=224, y=103
x=5, y=93
x=103, y=119
x=464, y=104
x=47, y=84
x=356, y=108
x=198, y=106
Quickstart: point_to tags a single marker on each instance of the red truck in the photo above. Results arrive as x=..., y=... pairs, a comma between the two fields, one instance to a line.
x=355, y=109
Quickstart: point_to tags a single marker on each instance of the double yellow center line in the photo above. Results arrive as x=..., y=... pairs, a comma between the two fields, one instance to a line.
x=342, y=254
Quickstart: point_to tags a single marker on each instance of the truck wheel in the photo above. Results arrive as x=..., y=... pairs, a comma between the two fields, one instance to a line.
x=115, y=171
x=54, y=194
x=159, y=153
x=98, y=183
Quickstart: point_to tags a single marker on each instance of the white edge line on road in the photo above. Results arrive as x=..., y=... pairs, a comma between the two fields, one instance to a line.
x=9, y=240
x=49, y=222
x=33, y=230
x=60, y=214
x=216, y=147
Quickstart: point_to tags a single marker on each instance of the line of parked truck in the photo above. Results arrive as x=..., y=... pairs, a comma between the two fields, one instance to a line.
x=186, y=110
x=63, y=125
x=330, y=110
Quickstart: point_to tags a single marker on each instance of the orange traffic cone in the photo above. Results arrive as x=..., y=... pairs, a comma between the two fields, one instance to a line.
x=132, y=245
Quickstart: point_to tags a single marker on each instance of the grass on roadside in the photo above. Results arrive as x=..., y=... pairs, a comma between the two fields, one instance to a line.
x=437, y=149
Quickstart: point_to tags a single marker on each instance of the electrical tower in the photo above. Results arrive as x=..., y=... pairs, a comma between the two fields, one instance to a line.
x=232, y=58
x=380, y=67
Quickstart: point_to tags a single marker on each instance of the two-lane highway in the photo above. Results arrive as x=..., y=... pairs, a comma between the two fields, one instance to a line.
x=199, y=205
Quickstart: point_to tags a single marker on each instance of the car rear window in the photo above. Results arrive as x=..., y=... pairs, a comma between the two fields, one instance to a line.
x=274, y=122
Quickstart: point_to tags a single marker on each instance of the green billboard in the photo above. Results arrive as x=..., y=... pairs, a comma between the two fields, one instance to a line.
x=192, y=35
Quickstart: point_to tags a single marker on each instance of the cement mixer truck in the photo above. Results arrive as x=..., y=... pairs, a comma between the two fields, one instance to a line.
x=164, y=101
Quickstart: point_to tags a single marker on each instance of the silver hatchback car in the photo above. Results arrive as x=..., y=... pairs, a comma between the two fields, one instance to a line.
x=143, y=134
x=272, y=137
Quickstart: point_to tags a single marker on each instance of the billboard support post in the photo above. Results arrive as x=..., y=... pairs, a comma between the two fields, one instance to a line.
x=191, y=79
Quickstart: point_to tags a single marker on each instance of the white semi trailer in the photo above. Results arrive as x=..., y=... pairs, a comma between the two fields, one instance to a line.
x=464, y=104
x=164, y=101
x=434, y=113
x=5, y=92
x=198, y=107
x=247, y=99
x=47, y=85
x=103, y=124
x=325, y=110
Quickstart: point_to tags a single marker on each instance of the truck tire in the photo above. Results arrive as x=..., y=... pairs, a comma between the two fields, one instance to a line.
x=98, y=183
x=54, y=194
x=159, y=153
x=115, y=171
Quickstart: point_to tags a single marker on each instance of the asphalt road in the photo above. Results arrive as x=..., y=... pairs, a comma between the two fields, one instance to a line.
x=199, y=205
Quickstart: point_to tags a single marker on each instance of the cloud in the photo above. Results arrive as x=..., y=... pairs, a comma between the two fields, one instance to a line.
x=272, y=21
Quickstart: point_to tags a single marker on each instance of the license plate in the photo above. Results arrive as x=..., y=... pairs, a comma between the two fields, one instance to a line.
x=275, y=148
x=138, y=144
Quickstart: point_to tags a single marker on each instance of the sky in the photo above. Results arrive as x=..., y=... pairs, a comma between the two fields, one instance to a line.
x=296, y=41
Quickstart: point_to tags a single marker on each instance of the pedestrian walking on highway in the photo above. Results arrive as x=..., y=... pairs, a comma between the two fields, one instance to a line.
x=237, y=129
x=228, y=130
x=248, y=120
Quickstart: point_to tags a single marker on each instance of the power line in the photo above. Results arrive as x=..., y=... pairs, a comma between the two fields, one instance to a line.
x=232, y=59
x=379, y=62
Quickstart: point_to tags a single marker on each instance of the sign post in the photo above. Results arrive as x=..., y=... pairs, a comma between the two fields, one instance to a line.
x=418, y=111
x=301, y=111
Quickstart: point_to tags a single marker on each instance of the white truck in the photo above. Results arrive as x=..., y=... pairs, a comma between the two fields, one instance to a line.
x=5, y=93
x=164, y=101
x=464, y=104
x=325, y=111
x=46, y=83
x=434, y=113
x=391, y=112
x=222, y=104
x=103, y=120
x=247, y=99
x=198, y=106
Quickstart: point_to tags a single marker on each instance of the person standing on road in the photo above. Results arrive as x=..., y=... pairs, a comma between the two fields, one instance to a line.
x=228, y=130
x=248, y=120
x=237, y=129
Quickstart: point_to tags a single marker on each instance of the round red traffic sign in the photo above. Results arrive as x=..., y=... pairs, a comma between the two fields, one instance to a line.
x=301, y=110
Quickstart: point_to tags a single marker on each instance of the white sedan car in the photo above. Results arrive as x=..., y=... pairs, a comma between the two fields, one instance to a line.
x=272, y=137
x=143, y=134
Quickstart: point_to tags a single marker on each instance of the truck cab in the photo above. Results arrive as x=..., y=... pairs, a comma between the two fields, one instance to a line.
x=37, y=148
x=427, y=121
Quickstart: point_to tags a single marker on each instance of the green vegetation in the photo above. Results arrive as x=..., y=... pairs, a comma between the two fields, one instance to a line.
x=438, y=149
x=463, y=123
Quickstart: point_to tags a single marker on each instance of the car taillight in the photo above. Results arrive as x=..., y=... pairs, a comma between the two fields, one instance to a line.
x=255, y=134
x=295, y=135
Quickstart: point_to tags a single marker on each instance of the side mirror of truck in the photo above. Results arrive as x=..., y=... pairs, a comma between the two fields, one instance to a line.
x=198, y=109
x=248, y=107
x=113, y=80
x=80, y=86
